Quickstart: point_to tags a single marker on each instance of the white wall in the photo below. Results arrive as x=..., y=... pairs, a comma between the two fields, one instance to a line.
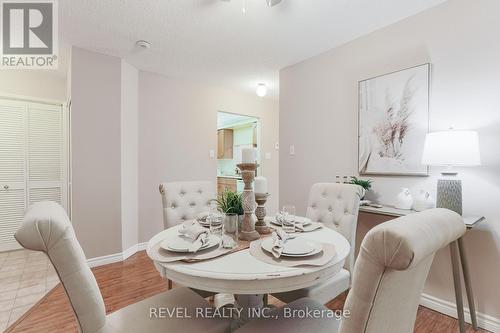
x=42, y=84
x=178, y=127
x=318, y=114
x=132, y=130
x=129, y=155
x=96, y=151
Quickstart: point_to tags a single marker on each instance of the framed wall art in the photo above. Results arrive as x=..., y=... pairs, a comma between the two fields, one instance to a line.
x=393, y=121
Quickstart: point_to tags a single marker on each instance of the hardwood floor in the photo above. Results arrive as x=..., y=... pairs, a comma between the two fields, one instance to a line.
x=135, y=279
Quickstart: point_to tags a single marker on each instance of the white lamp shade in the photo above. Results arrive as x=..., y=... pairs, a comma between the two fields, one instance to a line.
x=451, y=148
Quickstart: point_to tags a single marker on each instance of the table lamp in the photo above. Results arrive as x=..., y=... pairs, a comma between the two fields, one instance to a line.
x=451, y=148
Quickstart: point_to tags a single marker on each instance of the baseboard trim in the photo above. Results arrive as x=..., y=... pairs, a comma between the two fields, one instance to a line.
x=116, y=257
x=485, y=321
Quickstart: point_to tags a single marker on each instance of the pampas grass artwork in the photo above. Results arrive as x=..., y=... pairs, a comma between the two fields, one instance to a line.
x=393, y=121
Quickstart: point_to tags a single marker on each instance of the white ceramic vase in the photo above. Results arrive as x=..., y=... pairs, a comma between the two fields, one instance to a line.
x=404, y=200
x=423, y=201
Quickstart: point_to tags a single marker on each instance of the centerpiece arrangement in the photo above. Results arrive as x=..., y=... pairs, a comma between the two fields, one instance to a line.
x=261, y=196
x=248, y=167
x=249, y=202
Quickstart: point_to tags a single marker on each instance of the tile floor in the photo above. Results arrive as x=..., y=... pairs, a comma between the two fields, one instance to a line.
x=25, y=277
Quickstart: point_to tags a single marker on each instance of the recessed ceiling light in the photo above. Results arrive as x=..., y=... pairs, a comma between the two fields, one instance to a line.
x=143, y=44
x=261, y=90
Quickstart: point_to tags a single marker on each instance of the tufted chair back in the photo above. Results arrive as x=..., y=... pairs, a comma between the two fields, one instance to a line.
x=336, y=206
x=391, y=269
x=47, y=228
x=185, y=200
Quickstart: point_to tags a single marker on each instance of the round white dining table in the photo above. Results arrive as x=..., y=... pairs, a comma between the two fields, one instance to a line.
x=241, y=273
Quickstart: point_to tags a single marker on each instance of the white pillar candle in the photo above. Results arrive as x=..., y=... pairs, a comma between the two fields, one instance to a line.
x=260, y=185
x=248, y=155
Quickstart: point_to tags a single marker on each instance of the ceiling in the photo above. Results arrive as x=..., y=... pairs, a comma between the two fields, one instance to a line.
x=212, y=41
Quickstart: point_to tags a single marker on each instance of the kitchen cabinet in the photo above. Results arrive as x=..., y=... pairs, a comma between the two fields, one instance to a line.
x=226, y=184
x=225, y=144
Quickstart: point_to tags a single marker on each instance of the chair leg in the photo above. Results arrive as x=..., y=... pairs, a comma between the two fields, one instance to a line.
x=266, y=299
x=169, y=284
x=455, y=263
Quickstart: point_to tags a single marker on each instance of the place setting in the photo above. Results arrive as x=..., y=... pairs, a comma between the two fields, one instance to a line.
x=292, y=250
x=194, y=242
x=287, y=246
x=287, y=220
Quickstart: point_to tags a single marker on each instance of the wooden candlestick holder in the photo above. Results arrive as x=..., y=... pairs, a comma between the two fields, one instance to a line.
x=261, y=226
x=248, y=231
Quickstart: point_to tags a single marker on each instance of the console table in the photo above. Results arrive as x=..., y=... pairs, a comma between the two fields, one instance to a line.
x=458, y=258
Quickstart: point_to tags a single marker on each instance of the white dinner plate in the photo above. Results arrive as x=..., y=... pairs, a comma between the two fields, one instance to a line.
x=182, y=244
x=298, y=220
x=297, y=247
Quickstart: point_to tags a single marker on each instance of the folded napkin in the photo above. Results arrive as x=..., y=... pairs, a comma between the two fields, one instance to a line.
x=198, y=235
x=309, y=227
x=279, y=219
x=279, y=239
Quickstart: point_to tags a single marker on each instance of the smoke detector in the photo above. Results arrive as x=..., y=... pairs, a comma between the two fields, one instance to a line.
x=143, y=44
x=272, y=3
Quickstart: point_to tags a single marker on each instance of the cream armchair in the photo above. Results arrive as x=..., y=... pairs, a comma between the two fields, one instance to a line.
x=336, y=206
x=185, y=200
x=388, y=279
x=47, y=228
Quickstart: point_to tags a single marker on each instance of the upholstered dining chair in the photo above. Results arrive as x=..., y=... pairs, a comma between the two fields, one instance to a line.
x=336, y=206
x=47, y=228
x=185, y=200
x=388, y=279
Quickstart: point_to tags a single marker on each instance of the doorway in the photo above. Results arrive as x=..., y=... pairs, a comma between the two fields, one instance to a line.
x=234, y=133
x=33, y=160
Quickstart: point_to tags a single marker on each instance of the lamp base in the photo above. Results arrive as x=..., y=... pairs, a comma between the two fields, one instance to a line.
x=449, y=195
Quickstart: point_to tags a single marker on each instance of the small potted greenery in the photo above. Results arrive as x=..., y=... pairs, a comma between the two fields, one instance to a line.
x=366, y=185
x=230, y=202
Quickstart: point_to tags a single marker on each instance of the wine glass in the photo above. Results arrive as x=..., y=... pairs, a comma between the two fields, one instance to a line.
x=288, y=219
x=215, y=219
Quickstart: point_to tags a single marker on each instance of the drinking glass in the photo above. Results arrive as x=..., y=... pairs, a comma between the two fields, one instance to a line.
x=230, y=232
x=212, y=208
x=288, y=219
x=216, y=220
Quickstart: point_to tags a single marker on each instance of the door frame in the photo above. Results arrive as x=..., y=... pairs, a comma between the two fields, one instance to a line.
x=65, y=162
x=259, y=125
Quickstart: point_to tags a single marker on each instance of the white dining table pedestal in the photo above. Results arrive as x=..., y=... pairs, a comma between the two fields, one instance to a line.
x=250, y=301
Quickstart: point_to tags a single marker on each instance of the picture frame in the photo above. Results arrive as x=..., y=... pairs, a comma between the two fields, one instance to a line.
x=393, y=119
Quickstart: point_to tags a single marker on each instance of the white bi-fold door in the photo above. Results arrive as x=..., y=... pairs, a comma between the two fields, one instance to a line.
x=33, y=162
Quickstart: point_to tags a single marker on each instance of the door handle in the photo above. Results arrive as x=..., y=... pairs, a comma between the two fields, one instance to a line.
x=6, y=187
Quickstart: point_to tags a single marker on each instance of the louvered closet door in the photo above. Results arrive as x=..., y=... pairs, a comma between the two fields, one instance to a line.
x=45, y=153
x=12, y=170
